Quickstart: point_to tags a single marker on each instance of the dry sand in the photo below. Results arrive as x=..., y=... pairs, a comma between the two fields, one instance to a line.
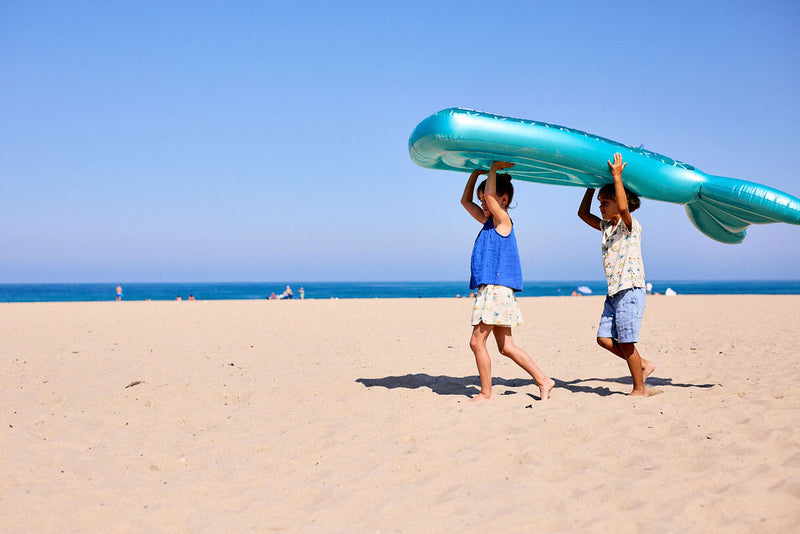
x=352, y=416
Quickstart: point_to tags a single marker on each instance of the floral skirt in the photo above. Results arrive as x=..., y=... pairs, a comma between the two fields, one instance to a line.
x=496, y=305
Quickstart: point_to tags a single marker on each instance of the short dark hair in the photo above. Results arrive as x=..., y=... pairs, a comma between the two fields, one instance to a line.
x=609, y=191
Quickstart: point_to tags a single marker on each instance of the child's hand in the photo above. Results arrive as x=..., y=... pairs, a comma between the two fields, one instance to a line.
x=618, y=166
x=500, y=165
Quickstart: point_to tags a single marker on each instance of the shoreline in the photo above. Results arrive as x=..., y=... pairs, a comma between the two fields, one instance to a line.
x=366, y=290
x=391, y=299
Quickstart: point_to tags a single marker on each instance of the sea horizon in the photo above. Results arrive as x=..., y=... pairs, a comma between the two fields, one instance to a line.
x=142, y=291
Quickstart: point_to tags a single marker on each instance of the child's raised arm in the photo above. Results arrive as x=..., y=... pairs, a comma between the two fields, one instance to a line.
x=502, y=221
x=469, y=192
x=584, y=211
x=619, y=190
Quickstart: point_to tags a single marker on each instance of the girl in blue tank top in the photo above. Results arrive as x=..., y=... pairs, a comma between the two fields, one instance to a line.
x=496, y=274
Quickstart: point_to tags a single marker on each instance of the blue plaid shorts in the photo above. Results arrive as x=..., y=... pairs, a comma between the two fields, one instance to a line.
x=622, y=315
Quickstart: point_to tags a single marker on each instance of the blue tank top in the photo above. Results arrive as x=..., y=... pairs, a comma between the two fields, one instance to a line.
x=495, y=259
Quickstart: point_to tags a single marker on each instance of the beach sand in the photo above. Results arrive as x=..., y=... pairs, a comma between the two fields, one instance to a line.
x=352, y=416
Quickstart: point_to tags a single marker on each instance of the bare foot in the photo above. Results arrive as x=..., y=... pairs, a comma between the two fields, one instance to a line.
x=648, y=369
x=480, y=397
x=645, y=393
x=544, y=389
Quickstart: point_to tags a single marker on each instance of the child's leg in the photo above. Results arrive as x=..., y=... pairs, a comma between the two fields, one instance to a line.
x=635, y=366
x=505, y=342
x=477, y=343
x=613, y=347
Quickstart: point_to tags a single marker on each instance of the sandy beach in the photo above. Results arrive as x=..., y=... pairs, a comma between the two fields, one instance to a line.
x=352, y=416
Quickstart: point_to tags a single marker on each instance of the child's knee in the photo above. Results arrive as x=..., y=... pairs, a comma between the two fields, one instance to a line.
x=627, y=349
x=605, y=342
x=476, y=342
x=506, y=349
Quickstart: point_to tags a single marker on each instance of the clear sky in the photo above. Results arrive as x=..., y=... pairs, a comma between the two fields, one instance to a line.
x=268, y=141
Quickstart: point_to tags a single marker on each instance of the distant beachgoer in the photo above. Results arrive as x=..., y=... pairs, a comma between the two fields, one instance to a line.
x=178, y=298
x=287, y=294
x=496, y=274
x=273, y=296
x=191, y=297
x=119, y=292
x=622, y=259
x=649, y=288
x=302, y=294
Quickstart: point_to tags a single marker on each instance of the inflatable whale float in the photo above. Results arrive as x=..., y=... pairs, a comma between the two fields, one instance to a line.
x=722, y=208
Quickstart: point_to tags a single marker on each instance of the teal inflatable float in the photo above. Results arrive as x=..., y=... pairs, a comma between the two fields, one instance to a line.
x=459, y=139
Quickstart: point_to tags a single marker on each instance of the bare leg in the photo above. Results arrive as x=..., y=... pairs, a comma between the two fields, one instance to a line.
x=613, y=347
x=635, y=366
x=505, y=343
x=477, y=343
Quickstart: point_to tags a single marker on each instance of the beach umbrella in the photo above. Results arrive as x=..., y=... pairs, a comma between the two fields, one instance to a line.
x=585, y=290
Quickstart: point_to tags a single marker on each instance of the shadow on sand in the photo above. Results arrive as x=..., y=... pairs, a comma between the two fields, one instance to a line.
x=466, y=386
x=470, y=385
x=581, y=385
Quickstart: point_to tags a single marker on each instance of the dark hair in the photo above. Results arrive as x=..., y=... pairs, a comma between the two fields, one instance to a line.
x=503, y=186
x=609, y=191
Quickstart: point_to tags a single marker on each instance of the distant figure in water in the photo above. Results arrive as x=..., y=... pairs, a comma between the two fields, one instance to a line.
x=287, y=294
x=119, y=292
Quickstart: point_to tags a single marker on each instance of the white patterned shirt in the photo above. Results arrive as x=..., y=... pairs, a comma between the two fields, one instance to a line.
x=622, y=255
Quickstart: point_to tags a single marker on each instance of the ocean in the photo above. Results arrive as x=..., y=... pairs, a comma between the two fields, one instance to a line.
x=360, y=290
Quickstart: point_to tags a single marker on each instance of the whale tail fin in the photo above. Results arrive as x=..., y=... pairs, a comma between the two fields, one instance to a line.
x=726, y=207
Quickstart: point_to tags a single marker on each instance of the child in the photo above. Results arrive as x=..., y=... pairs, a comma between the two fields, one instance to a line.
x=622, y=260
x=496, y=274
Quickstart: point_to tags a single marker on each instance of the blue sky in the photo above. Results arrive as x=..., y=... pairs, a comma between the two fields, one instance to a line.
x=268, y=141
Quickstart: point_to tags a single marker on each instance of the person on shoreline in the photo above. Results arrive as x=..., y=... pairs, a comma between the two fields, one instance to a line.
x=618, y=332
x=119, y=292
x=287, y=294
x=496, y=274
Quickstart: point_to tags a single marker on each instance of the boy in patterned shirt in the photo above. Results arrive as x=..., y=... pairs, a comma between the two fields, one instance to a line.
x=622, y=261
